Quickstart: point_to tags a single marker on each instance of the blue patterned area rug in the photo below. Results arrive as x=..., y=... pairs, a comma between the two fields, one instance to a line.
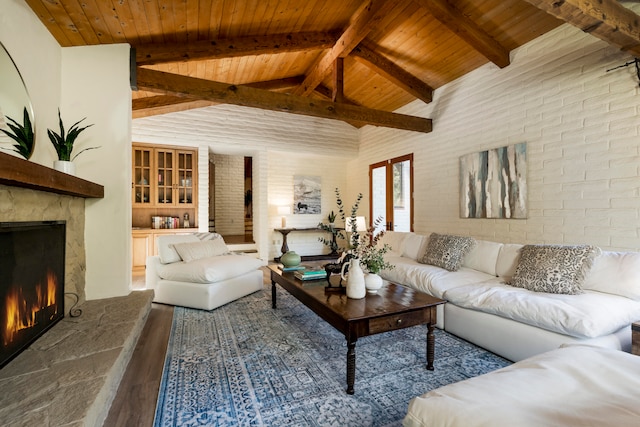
x=245, y=364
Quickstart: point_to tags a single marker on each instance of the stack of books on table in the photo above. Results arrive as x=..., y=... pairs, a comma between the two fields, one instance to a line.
x=294, y=268
x=310, y=274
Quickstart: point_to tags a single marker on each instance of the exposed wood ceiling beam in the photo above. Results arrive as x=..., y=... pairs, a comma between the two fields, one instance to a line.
x=338, y=81
x=151, y=54
x=327, y=93
x=174, y=84
x=389, y=70
x=278, y=84
x=163, y=104
x=606, y=19
x=362, y=22
x=468, y=30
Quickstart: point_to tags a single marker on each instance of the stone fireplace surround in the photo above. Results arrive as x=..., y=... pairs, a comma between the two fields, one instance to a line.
x=70, y=375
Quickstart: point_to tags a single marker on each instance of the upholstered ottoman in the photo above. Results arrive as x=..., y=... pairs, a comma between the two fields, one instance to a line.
x=198, y=271
x=576, y=385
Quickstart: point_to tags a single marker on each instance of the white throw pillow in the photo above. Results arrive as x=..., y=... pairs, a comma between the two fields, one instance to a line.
x=198, y=250
x=166, y=251
x=616, y=273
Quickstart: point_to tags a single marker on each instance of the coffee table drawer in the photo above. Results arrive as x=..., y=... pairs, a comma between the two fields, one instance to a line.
x=396, y=321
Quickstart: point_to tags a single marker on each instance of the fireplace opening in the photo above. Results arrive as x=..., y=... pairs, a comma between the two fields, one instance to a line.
x=31, y=283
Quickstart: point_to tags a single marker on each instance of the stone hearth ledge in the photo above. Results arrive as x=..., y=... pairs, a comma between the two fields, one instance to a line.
x=70, y=375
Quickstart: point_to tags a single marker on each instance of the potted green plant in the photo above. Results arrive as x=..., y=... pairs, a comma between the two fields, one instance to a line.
x=22, y=134
x=63, y=143
x=332, y=218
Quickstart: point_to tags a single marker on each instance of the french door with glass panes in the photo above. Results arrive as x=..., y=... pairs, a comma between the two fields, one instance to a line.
x=391, y=193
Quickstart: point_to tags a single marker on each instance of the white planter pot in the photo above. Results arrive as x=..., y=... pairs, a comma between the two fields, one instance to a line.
x=372, y=282
x=65, y=166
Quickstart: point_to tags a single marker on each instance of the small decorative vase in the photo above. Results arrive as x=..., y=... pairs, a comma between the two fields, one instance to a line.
x=372, y=282
x=355, y=279
x=65, y=166
x=290, y=259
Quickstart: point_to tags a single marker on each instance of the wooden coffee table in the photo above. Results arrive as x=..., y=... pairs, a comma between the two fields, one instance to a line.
x=393, y=307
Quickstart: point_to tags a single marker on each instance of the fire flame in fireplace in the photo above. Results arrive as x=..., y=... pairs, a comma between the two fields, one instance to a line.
x=22, y=314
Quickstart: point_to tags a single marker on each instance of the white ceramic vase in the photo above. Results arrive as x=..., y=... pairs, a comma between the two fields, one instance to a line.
x=65, y=166
x=355, y=279
x=372, y=282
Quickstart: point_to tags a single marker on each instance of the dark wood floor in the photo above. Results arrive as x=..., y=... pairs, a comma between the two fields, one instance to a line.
x=135, y=402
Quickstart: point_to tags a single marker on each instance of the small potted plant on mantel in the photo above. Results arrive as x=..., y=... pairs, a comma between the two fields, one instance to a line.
x=63, y=143
x=22, y=134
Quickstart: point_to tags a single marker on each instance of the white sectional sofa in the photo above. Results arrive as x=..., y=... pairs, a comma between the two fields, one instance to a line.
x=514, y=322
x=198, y=271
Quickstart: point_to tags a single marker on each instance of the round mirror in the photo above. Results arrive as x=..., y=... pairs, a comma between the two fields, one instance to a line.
x=14, y=98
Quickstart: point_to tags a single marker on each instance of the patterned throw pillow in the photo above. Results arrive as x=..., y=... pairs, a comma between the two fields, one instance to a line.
x=446, y=251
x=554, y=268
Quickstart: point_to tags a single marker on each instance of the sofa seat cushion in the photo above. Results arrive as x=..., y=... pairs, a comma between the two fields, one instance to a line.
x=429, y=278
x=209, y=270
x=587, y=315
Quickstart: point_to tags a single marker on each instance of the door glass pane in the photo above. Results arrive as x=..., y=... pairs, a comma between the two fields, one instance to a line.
x=379, y=198
x=401, y=196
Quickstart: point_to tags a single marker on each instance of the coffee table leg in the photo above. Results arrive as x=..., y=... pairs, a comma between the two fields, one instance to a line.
x=351, y=366
x=273, y=294
x=431, y=341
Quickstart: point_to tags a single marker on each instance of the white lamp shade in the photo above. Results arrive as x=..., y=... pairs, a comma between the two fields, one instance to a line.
x=361, y=224
x=284, y=210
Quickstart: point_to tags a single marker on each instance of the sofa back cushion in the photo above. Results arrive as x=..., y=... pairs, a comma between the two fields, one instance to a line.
x=166, y=250
x=414, y=245
x=192, y=251
x=395, y=239
x=615, y=273
x=508, y=260
x=483, y=257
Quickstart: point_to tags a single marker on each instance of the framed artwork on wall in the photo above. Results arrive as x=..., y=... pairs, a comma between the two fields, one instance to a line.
x=493, y=183
x=307, y=194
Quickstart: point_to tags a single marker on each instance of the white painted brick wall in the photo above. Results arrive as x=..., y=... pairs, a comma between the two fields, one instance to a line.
x=281, y=146
x=282, y=168
x=581, y=127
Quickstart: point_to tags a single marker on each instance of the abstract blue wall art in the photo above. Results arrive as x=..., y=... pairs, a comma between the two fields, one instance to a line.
x=493, y=183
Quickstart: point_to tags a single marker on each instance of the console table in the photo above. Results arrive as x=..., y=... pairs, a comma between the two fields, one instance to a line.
x=285, y=247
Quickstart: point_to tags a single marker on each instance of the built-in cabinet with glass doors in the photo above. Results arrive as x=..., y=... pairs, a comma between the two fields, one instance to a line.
x=165, y=186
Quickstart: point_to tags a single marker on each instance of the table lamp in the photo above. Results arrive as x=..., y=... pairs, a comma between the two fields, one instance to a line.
x=284, y=210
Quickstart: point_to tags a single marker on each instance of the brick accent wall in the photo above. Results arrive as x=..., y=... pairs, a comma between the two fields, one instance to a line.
x=229, y=195
x=580, y=124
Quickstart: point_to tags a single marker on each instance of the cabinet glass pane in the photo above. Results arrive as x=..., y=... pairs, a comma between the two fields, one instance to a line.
x=141, y=186
x=165, y=177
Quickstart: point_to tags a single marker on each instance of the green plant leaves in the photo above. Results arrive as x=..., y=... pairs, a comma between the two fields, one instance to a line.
x=63, y=142
x=22, y=134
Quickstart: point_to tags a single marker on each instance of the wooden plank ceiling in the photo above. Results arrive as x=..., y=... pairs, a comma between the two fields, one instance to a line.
x=351, y=60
